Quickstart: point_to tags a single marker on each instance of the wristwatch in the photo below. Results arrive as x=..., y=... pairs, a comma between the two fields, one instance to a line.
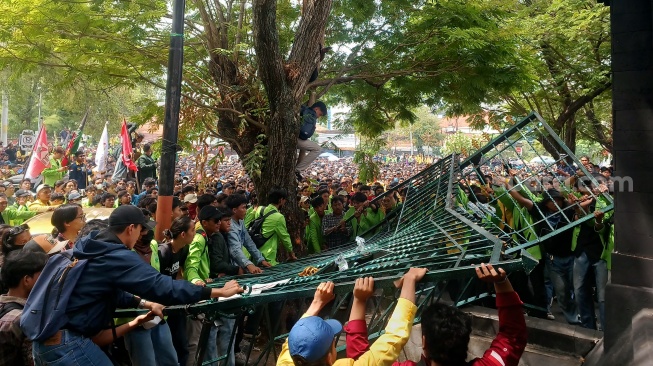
x=141, y=305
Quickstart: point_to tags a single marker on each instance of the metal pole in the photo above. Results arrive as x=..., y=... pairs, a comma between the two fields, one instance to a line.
x=39, y=122
x=171, y=121
x=411, y=139
x=5, y=118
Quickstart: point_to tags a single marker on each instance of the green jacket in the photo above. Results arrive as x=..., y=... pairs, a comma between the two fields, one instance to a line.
x=606, y=233
x=15, y=215
x=314, y=236
x=275, y=228
x=369, y=219
x=249, y=215
x=51, y=175
x=197, y=265
x=518, y=218
x=146, y=167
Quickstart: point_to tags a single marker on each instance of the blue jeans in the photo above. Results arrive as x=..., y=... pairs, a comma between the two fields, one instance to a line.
x=151, y=347
x=225, y=345
x=194, y=330
x=72, y=349
x=583, y=290
x=561, y=273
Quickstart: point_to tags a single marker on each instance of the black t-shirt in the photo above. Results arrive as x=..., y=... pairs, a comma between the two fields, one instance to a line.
x=589, y=241
x=558, y=245
x=169, y=262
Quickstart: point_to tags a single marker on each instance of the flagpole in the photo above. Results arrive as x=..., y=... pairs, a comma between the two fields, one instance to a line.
x=31, y=155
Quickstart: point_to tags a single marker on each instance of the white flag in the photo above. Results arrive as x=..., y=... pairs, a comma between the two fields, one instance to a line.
x=102, y=151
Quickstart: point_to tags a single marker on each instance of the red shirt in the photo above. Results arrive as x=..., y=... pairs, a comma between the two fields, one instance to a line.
x=506, y=349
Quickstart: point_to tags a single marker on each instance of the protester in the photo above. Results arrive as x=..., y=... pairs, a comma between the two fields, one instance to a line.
x=315, y=241
x=78, y=170
x=446, y=330
x=274, y=227
x=172, y=256
x=111, y=276
x=55, y=171
x=146, y=165
x=336, y=230
x=312, y=340
x=13, y=215
x=19, y=273
x=239, y=238
x=308, y=150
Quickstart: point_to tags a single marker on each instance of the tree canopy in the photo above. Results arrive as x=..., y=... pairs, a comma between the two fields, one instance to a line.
x=493, y=58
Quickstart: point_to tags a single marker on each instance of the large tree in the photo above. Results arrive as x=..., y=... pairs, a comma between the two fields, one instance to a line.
x=567, y=47
x=248, y=63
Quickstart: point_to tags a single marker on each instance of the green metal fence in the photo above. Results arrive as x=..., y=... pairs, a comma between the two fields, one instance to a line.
x=455, y=216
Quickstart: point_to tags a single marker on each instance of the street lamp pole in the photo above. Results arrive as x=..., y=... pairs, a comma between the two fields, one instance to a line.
x=40, y=120
x=171, y=121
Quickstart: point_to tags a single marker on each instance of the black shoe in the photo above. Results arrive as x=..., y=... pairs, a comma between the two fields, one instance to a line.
x=299, y=176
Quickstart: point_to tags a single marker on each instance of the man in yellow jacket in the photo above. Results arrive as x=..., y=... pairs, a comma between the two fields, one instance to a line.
x=42, y=201
x=312, y=339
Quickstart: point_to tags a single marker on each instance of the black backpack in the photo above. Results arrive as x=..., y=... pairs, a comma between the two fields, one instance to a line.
x=9, y=306
x=309, y=122
x=256, y=228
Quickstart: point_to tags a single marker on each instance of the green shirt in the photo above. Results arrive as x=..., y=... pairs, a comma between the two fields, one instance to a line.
x=51, y=175
x=197, y=266
x=13, y=216
x=314, y=236
x=368, y=219
x=274, y=228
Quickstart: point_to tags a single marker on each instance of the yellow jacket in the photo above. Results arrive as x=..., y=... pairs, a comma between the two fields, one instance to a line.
x=38, y=206
x=387, y=347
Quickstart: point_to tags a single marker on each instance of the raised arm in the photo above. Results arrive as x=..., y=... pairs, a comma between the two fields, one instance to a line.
x=521, y=200
x=387, y=347
x=356, y=328
x=509, y=344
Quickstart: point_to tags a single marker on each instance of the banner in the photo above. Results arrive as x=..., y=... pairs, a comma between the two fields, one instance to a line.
x=102, y=153
x=40, y=158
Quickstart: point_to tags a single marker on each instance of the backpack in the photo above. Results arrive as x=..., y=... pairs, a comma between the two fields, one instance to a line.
x=256, y=228
x=9, y=306
x=45, y=311
x=309, y=121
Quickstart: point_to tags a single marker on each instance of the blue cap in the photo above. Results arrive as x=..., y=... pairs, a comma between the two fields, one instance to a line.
x=311, y=337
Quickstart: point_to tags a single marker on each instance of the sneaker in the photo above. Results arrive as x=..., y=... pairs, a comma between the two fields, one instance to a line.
x=550, y=316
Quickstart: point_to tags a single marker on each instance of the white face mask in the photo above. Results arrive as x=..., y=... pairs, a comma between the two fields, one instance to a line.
x=99, y=186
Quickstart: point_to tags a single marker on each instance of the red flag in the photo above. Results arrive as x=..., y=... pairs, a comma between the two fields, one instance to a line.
x=40, y=158
x=127, y=150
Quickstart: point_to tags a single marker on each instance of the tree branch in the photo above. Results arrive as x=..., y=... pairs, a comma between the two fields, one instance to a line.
x=249, y=119
x=266, y=42
x=580, y=102
x=305, y=55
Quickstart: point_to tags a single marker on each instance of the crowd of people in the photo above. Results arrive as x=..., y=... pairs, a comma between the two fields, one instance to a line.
x=209, y=238
x=218, y=228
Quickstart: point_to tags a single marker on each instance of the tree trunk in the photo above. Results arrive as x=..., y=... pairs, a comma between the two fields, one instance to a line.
x=285, y=85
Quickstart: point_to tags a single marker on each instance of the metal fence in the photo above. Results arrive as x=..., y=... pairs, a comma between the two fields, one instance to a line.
x=456, y=214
